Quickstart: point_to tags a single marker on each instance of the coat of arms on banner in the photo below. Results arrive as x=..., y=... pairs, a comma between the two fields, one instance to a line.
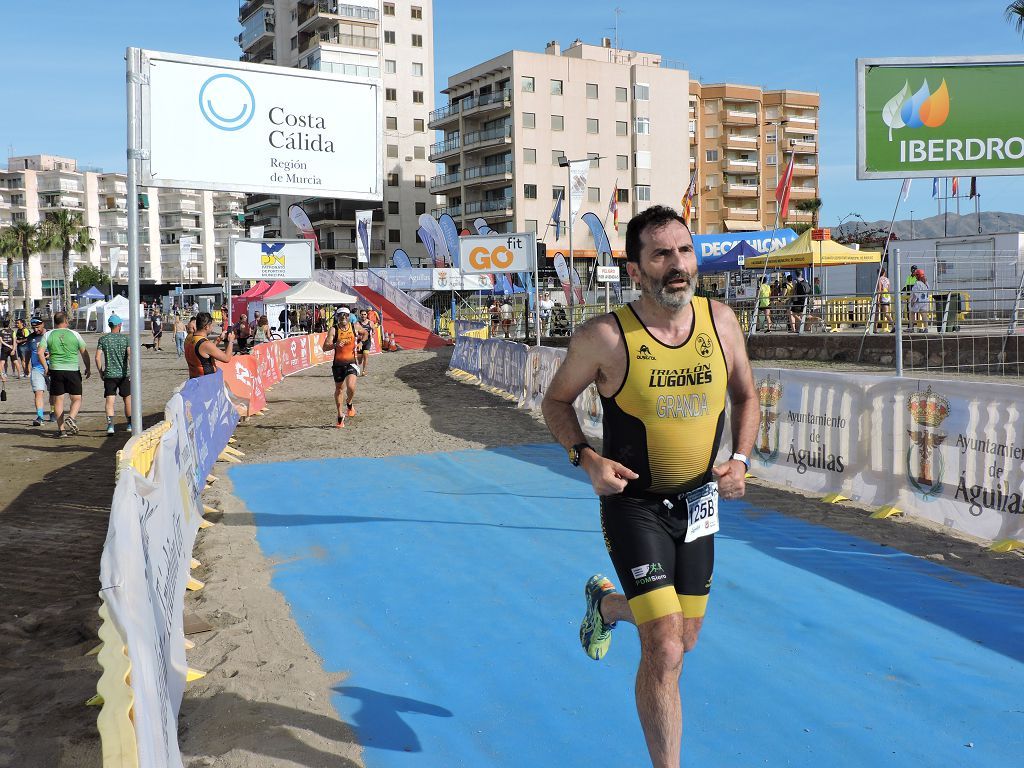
x=769, y=393
x=592, y=406
x=924, y=463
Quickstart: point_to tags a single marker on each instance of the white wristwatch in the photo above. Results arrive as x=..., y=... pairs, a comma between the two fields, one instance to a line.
x=741, y=457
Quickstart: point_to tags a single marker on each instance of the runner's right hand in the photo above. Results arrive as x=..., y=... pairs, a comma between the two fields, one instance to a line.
x=606, y=476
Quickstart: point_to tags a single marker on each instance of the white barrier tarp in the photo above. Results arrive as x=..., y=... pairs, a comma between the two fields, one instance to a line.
x=950, y=452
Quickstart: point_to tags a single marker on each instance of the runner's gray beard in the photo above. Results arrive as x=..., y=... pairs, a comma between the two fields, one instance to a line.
x=655, y=289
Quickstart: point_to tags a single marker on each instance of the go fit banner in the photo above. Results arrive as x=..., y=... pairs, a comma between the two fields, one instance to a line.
x=248, y=377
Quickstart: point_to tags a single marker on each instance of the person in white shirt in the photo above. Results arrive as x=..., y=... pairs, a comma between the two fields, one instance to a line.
x=506, y=317
x=546, y=305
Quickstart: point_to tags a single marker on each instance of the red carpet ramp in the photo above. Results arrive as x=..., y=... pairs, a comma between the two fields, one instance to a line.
x=408, y=333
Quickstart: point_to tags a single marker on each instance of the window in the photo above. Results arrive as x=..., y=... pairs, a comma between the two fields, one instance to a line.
x=769, y=160
x=421, y=208
x=295, y=42
x=710, y=107
x=556, y=87
x=595, y=159
x=593, y=194
x=529, y=156
x=711, y=132
x=394, y=235
x=389, y=36
x=770, y=138
x=557, y=192
x=420, y=153
x=417, y=69
x=392, y=206
x=591, y=90
x=389, y=9
x=530, y=191
x=621, y=94
x=390, y=94
x=621, y=128
x=529, y=120
x=416, y=12
x=527, y=84
x=643, y=192
x=531, y=225
x=417, y=41
x=390, y=66
x=556, y=154
x=557, y=123
x=711, y=155
x=417, y=97
x=623, y=196
x=642, y=160
x=392, y=179
x=593, y=125
x=391, y=123
x=392, y=150
x=421, y=180
x=711, y=203
x=643, y=125
x=641, y=92
x=417, y=124
x=693, y=127
x=712, y=180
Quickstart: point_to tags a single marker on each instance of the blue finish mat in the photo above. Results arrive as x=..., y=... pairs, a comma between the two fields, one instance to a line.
x=449, y=586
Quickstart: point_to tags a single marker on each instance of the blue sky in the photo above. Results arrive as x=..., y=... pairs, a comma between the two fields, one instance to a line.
x=63, y=85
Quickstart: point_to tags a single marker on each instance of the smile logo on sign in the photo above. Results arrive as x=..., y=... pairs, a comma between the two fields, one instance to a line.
x=227, y=102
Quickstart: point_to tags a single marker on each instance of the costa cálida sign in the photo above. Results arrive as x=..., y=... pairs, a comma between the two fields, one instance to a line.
x=928, y=117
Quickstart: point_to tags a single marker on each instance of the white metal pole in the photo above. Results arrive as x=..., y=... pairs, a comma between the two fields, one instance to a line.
x=536, y=293
x=572, y=260
x=899, y=312
x=231, y=271
x=134, y=77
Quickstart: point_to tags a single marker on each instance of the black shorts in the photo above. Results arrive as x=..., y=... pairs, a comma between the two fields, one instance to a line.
x=658, y=572
x=365, y=346
x=65, y=383
x=342, y=371
x=112, y=387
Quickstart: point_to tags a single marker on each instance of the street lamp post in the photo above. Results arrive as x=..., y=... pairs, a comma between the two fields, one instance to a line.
x=566, y=163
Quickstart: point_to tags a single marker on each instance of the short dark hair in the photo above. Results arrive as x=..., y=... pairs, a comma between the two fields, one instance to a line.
x=652, y=218
x=59, y=317
x=203, y=320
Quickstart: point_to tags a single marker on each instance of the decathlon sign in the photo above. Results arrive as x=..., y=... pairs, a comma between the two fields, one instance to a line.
x=271, y=259
x=224, y=125
x=498, y=253
x=940, y=117
x=711, y=246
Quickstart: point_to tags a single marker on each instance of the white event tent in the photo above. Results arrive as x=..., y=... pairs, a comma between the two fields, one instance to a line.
x=312, y=292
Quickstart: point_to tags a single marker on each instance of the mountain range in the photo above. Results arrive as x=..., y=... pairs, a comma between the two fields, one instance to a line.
x=955, y=226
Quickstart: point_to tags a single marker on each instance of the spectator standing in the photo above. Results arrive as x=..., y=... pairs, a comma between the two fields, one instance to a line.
x=8, y=351
x=507, y=316
x=21, y=335
x=157, y=324
x=112, y=356
x=883, y=293
x=39, y=375
x=545, y=306
x=764, y=304
x=180, y=333
x=919, y=293
x=62, y=348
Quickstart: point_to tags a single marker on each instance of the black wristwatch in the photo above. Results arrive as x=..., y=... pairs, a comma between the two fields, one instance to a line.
x=576, y=453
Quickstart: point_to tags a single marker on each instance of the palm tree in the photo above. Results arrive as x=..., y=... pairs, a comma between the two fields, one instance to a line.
x=8, y=250
x=812, y=207
x=1015, y=15
x=28, y=240
x=64, y=229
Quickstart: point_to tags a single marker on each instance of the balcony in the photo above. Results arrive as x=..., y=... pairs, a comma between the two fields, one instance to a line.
x=178, y=222
x=803, y=193
x=261, y=201
x=445, y=180
x=799, y=129
x=740, y=142
x=340, y=245
x=452, y=210
x=741, y=214
x=802, y=123
x=693, y=137
x=444, y=148
x=114, y=189
x=740, y=166
x=71, y=203
x=446, y=114
x=795, y=215
x=741, y=190
x=366, y=42
x=489, y=138
x=800, y=145
x=487, y=101
x=502, y=206
x=739, y=117
x=805, y=169
x=257, y=31
x=119, y=207
x=324, y=13
x=489, y=173
x=263, y=57
x=248, y=7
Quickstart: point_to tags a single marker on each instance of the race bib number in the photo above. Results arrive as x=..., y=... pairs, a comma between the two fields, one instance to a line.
x=702, y=512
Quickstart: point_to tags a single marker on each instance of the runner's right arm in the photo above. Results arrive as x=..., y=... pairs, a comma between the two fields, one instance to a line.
x=581, y=368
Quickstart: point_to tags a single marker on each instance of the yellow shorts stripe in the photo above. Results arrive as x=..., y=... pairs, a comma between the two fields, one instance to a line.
x=664, y=602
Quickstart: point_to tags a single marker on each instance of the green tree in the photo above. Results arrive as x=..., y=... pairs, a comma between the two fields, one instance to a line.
x=1015, y=15
x=8, y=250
x=812, y=207
x=64, y=229
x=28, y=240
x=86, y=276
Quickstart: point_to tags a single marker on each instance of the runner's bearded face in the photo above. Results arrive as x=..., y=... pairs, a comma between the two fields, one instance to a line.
x=667, y=266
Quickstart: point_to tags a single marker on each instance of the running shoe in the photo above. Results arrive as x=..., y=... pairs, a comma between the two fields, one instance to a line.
x=340, y=424
x=70, y=426
x=351, y=411
x=110, y=429
x=37, y=423
x=595, y=634
x=128, y=428
x=53, y=417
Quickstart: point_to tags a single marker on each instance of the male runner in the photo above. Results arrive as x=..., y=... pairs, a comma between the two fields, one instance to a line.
x=662, y=365
x=344, y=340
x=62, y=348
x=201, y=352
x=366, y=345
x=112, y=355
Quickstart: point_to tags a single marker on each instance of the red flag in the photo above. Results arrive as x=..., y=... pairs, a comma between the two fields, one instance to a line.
x=691, y=192
x=782, y=190
x=956, y=186
x=974, y=186
x=613, y=206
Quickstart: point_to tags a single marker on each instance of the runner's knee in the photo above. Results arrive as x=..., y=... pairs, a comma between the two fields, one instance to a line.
x=662, y=644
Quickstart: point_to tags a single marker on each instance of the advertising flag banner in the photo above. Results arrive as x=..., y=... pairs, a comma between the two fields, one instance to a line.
x=227, y=125
x=115, y=261
x=562, y=270
x=556, y=216
x=442, y=258
x=578, y=170
x=577, y=285
x=480, y=225
x=940, y=117
x=428, y=243
x=364, y=225
x=601, y=243
x=303, y=224
x=401, y=259
x=451, y=236
x=256, y=232
x=184, y=253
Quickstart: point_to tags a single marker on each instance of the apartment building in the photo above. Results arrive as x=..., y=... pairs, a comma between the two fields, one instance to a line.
x=391, y=42
x=742, y=139
x=34, y=186
x=510, y=119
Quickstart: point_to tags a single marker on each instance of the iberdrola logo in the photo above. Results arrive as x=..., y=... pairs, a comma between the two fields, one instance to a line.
x=922, y=109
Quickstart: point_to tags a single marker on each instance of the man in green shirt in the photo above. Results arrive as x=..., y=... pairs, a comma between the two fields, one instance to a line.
x=112, y=354
x=62, y=348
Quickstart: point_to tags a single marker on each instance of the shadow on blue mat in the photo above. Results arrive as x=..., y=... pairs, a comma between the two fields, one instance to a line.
x=378, y=722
